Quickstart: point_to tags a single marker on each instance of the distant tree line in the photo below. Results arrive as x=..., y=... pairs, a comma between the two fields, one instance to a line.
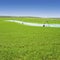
x=18, y=16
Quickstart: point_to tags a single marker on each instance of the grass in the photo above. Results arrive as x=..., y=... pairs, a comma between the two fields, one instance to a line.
x=35, y=20
x=19, y=42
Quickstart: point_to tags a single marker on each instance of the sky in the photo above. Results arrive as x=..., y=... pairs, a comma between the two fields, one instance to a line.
x=36, y=8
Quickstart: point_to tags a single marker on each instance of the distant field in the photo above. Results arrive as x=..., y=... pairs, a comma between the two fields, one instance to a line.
x=20, y=42
x=35, y=20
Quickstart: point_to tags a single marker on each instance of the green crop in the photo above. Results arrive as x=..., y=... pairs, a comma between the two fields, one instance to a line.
x=20, y=42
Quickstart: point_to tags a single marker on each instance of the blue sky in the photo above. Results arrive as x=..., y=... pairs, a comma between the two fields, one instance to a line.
x=40, y=8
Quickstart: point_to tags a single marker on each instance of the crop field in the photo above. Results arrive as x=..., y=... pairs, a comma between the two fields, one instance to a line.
x=21, y=42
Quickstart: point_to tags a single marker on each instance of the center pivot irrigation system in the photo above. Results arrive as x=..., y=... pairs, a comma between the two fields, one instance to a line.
x=34, y=24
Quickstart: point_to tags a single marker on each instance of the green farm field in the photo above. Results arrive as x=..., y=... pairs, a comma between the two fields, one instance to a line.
x=21, y=42
x=34, y=20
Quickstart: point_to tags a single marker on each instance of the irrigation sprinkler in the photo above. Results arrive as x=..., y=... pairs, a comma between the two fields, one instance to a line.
x=46, y=22
x=43, y=25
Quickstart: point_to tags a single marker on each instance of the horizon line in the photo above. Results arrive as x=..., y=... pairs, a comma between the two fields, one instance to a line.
x=26, y=16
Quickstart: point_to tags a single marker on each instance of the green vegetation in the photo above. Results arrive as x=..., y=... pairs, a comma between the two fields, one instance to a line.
x=34, y=20
x=19, y=42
